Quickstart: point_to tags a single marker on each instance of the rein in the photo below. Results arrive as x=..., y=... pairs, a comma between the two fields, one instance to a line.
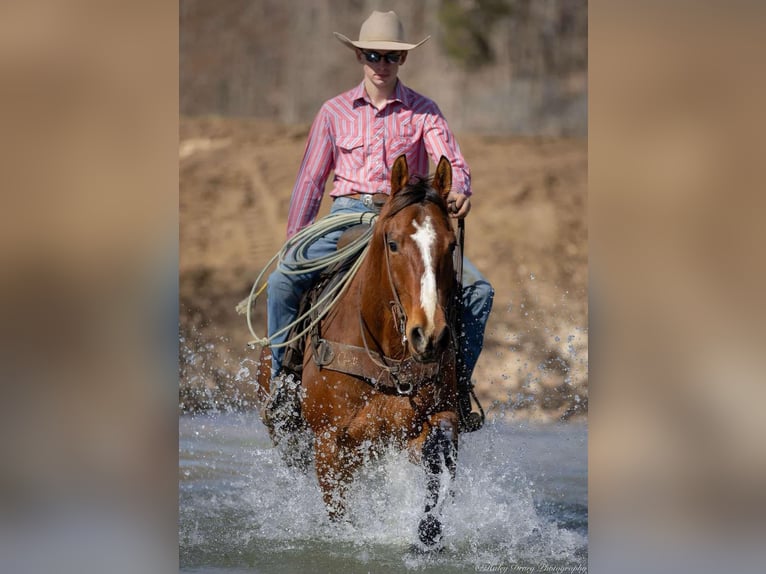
x=397, y=309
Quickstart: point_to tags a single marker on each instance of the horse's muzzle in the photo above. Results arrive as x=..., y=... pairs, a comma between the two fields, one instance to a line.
x=426, y=349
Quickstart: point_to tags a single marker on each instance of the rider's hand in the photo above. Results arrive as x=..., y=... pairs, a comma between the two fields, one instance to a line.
x=458, y=204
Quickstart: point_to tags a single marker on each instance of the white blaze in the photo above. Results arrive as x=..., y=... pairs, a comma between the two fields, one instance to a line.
x=424, y=238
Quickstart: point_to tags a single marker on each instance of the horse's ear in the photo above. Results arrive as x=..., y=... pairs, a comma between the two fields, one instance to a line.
x=442, y=181
x=400, y=174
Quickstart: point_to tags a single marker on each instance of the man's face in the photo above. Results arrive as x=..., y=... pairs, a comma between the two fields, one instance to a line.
x=381, y=73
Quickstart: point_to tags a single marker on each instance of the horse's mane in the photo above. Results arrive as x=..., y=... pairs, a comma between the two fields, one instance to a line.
x=418, y=192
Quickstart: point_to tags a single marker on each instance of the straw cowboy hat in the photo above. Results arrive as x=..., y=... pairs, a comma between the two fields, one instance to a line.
x=381, y=31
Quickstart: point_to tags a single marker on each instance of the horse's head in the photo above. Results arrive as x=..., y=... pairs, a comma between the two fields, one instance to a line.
x=417, y=239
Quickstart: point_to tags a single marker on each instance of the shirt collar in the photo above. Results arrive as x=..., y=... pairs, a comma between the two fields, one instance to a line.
x=358, y=94
x=401, y=94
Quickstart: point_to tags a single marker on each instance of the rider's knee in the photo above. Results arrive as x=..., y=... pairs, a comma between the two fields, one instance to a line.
x=478, y=297
x=279, y=284
x=486, y=293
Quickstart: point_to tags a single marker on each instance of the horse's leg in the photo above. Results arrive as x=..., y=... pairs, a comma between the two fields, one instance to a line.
x=437, y=450
x=335, y=466
x=263, y=380
x=295, y=441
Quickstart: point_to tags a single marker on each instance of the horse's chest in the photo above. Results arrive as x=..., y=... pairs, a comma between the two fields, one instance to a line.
x=386, y=418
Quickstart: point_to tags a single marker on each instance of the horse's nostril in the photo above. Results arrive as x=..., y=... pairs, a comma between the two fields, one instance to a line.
x=417, y=338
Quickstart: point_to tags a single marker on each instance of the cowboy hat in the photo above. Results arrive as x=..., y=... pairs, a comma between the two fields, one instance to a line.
x=381, y=31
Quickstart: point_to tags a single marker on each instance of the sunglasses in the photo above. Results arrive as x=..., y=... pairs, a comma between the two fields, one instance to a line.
x=375, y=57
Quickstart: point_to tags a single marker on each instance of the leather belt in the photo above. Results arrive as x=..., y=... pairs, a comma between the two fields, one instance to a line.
x=372, y=201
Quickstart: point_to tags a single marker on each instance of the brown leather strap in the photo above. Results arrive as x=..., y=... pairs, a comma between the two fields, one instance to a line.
x=400, y=377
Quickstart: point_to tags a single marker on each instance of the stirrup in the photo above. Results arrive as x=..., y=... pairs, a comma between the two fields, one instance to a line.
x=469, y=421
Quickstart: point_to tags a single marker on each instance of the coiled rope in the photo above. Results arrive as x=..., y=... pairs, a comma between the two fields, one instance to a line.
x=301, y=263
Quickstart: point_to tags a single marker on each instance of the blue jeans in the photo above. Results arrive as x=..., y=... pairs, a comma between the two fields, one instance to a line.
x=285, y=292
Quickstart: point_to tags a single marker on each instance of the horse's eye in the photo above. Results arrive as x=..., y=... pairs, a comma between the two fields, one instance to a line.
x=452, y=247
x=393, y=246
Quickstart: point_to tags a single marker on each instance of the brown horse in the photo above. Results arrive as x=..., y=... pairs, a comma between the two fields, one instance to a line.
x=382, y=370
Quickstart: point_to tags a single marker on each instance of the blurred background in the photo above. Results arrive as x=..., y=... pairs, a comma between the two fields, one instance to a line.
x=509, y=76
x=88, y=289
x=493, y=66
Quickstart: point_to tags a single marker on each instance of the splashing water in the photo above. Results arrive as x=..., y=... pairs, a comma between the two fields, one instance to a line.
x=520, y=504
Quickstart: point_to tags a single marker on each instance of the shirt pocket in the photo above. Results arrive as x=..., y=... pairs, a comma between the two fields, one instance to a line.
x=406, y=129
x=350, y=152
x=408, y=145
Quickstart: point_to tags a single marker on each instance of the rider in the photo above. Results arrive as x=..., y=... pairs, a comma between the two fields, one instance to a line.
x=359, y=134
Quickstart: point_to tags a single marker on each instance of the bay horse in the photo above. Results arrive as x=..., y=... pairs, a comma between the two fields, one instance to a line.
x=382, y=371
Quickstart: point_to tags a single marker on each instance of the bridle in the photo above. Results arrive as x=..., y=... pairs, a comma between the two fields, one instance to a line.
x=394, y=366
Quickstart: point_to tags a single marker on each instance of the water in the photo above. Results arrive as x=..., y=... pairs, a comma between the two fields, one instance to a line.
x=520, y=505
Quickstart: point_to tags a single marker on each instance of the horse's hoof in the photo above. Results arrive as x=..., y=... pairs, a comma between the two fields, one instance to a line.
x=430, y=531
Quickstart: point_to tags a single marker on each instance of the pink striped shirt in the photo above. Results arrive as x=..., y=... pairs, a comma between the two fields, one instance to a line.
x=360, y=143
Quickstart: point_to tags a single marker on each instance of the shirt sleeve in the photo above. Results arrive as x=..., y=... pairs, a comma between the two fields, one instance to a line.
x=440, y=141
x=318, y=161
